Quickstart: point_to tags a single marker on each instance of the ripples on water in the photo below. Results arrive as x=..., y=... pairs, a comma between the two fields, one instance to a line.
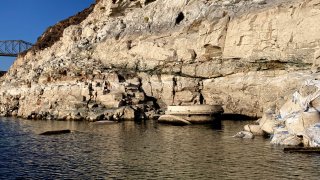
x=143, y=151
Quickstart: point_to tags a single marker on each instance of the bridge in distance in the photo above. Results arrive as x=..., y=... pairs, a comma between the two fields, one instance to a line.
x=12, y=48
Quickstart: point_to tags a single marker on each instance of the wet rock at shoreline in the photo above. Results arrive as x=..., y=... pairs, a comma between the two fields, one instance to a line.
x=254, y=129
x=312, y=136
x=244, y=135
x=298, y=121
x=56, y=132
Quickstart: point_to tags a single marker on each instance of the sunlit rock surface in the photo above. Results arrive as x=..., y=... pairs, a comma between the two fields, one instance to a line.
x=298, y=120
x=126, y=59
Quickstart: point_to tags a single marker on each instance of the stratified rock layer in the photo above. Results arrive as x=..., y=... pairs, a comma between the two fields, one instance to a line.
x=128, y=57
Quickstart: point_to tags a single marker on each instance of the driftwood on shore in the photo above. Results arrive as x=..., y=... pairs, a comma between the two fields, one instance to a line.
x=56, y=132
x=302, y=149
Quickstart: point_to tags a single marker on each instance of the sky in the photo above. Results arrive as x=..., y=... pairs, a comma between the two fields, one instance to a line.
x=28, y=19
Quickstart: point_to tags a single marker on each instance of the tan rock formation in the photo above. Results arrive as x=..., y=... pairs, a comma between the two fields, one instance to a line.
x=246, y=55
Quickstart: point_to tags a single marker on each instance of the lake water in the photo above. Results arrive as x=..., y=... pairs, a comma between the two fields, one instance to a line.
x=144, y=150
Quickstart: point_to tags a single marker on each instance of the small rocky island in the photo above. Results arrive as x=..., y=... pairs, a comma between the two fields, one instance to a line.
x=128, y=60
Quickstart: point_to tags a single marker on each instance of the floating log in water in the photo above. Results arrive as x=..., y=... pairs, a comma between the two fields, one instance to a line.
x=174, y=120
x=105, y=122
x=302, y=149
x=65, y=131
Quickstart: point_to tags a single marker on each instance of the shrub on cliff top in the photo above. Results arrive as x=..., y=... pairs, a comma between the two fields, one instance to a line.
x=54, y=33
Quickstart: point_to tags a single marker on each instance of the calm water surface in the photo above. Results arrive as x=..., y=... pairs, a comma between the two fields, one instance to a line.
x=143, y=151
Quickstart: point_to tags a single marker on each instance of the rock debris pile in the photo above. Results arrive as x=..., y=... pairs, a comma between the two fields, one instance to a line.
x=296, y=123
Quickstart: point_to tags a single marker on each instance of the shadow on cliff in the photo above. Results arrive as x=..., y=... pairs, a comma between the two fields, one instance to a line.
x=2, y=73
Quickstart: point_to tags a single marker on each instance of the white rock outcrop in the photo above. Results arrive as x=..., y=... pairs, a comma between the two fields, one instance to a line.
x=246, y=55
x=298, y=120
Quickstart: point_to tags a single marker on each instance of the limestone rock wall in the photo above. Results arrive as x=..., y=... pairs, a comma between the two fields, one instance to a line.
x=285, y=33
x=247, y=55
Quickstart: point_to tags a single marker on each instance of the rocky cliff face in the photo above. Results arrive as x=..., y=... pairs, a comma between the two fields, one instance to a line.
x=129, y=57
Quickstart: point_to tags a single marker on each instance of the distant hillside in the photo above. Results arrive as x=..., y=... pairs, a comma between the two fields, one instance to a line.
x=2, y=73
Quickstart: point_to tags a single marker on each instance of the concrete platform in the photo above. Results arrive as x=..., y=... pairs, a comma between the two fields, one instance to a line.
x=195, y=109
x=194, y=114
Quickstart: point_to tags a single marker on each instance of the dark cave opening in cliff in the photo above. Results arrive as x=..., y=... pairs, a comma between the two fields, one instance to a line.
x=149, y=1
x=179, y=18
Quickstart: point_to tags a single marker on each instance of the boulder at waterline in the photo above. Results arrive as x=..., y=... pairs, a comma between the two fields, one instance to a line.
x=244, y=135
x=254, y=129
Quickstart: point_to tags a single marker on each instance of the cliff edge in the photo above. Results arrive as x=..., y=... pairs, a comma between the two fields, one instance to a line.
x=127, y=59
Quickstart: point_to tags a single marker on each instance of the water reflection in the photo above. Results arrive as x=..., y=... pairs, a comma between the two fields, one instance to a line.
x=144, y=150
